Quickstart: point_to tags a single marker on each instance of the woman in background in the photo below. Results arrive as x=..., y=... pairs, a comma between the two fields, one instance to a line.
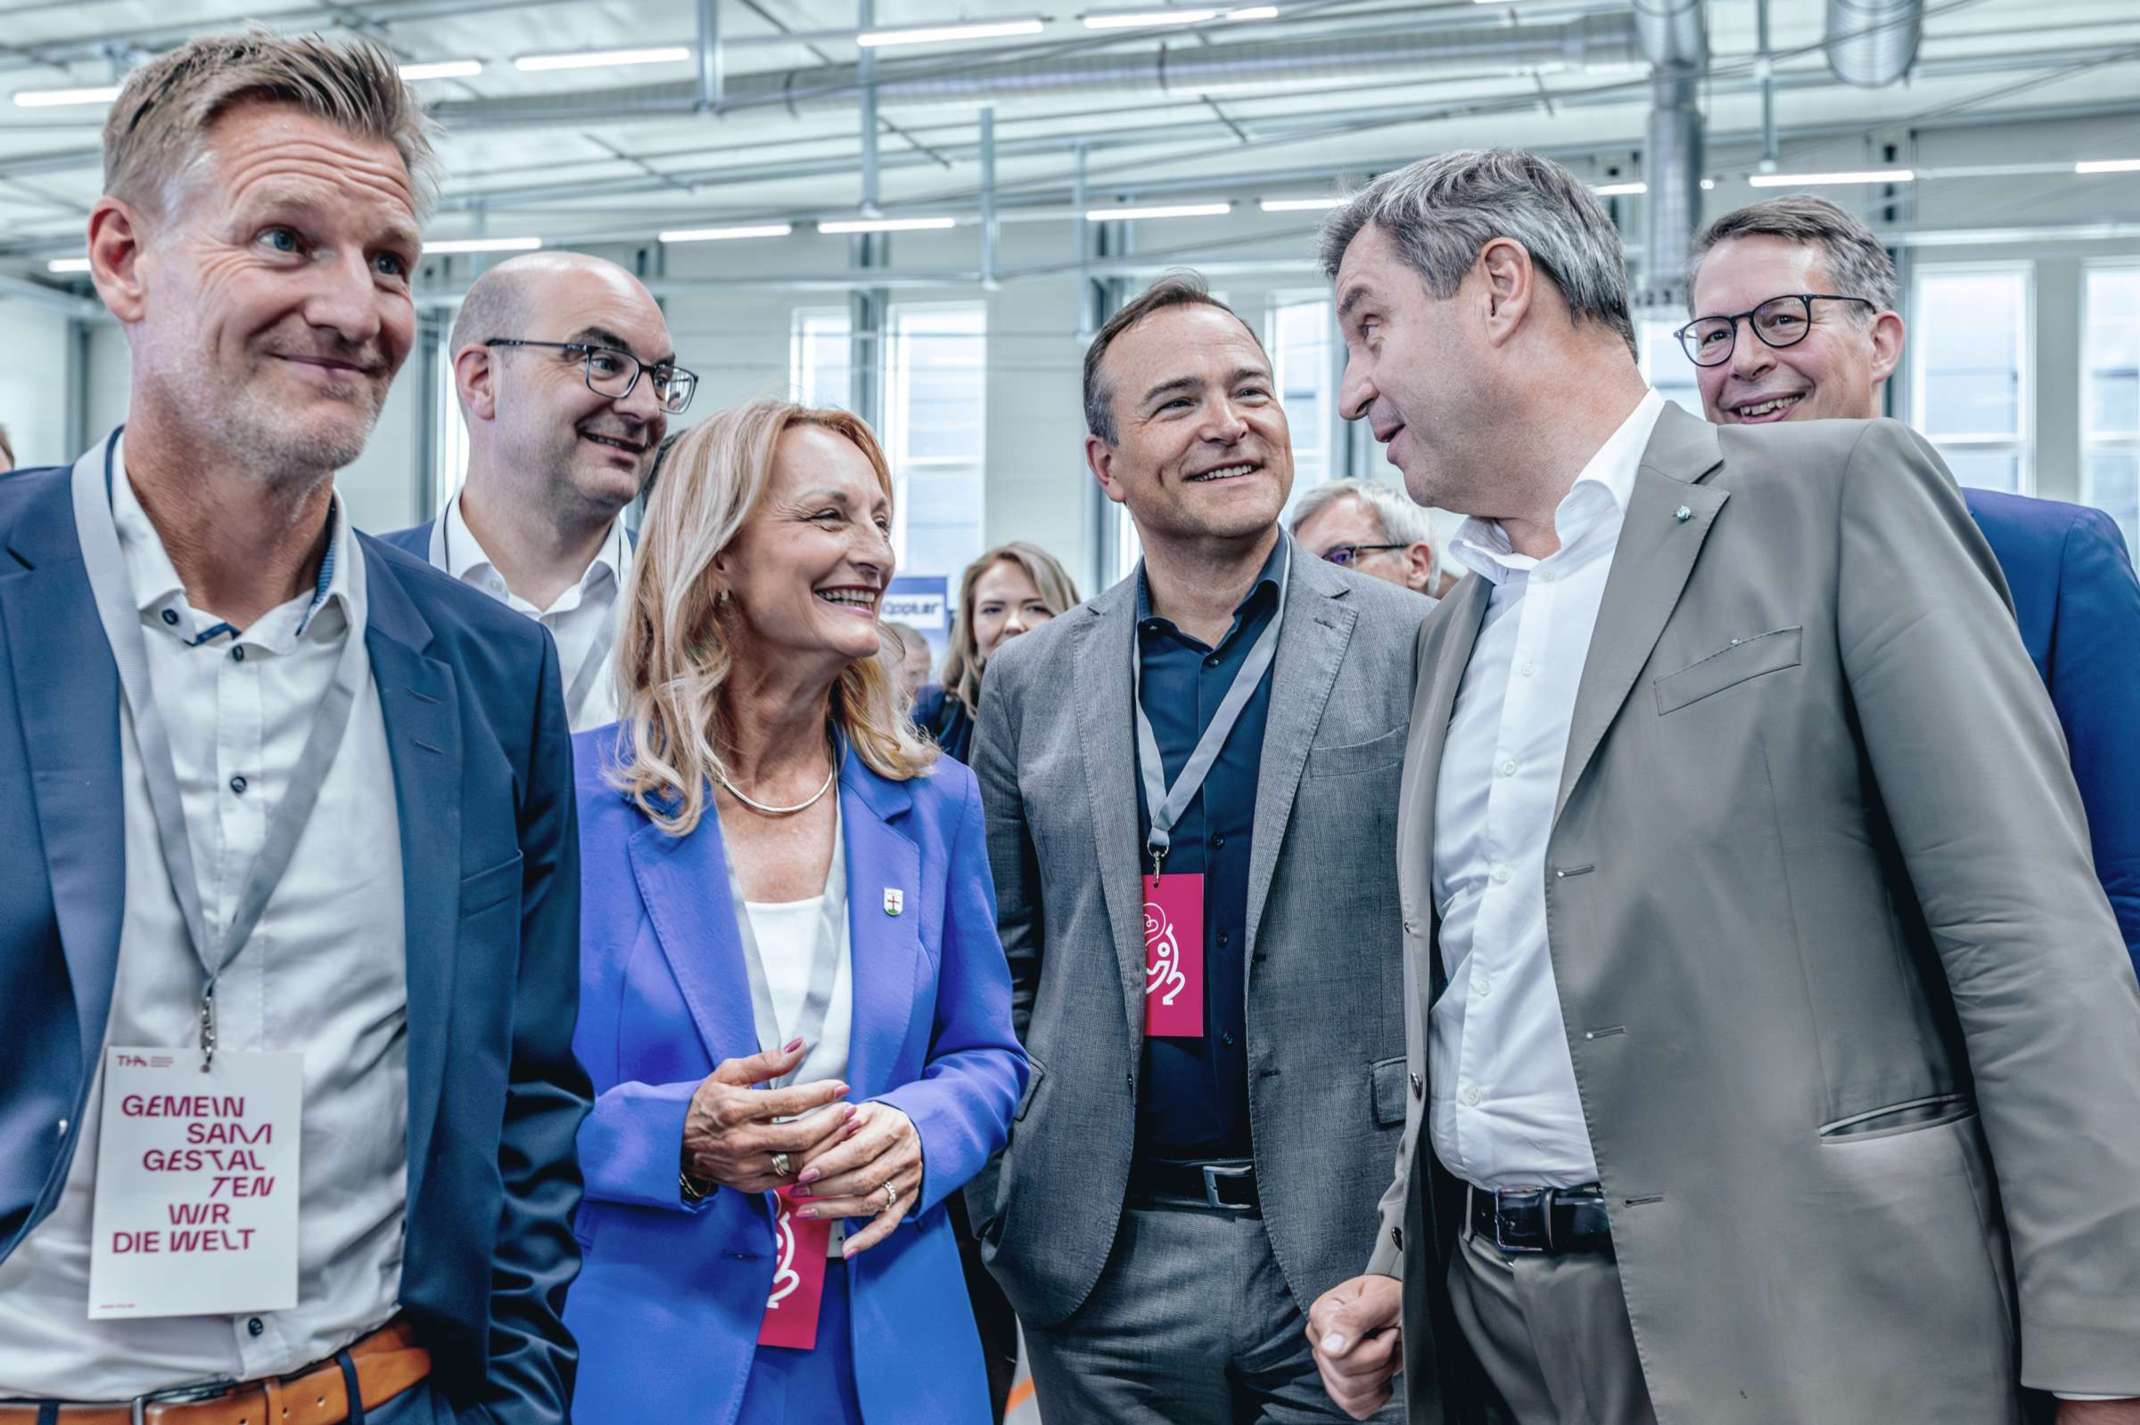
x=794, y=1006
x=1008, y=590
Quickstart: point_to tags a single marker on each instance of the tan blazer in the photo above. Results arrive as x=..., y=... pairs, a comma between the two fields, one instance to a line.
x=1856, y=1037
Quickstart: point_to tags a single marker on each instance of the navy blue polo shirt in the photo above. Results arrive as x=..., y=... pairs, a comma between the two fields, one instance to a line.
x=1193, y=1096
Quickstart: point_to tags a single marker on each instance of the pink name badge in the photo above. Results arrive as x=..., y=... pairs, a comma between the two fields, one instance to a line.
x=1174, y=957
x=798, y=1279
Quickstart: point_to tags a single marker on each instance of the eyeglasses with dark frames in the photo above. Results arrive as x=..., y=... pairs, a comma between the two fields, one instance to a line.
x=1779, y=322
x=616, y=374
x=1346, y=555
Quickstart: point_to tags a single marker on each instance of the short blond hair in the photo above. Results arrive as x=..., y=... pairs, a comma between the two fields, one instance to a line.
x=962, y=664
x=158, y=127
x=673, y=655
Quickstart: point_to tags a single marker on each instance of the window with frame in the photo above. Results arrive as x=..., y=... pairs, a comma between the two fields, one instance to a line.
x=1969, y=372
x=2110, y=411
x=821, y=357
x=1301, y=333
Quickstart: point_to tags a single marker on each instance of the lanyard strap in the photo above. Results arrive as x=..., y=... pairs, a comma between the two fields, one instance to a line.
x=824, y=959
x=597, y=657
x=1164, y=805
x=109, y=584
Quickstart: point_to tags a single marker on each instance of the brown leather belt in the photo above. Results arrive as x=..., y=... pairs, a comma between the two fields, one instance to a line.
x=387, y=1363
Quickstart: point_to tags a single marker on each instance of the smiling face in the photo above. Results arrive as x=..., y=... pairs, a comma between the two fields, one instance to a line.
x=584, y=453
x=1202, y=450
x=806, y=571
x=268, y=306
x=1005, y=604
x=1410, y=372
x=1834, y=372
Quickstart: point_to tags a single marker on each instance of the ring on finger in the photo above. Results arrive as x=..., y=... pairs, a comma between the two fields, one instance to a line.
x=891, y=1196
x=781, y=1165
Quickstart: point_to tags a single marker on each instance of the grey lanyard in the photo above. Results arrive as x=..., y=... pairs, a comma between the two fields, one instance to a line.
x=1164, y=805
x=824, y=960
x=597, y=653
x=108, y=583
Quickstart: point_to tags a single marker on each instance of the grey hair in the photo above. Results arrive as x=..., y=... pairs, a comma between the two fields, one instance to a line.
x=1442, y=211
x=158, y=126
x=1856, y=262
x=1402, y=521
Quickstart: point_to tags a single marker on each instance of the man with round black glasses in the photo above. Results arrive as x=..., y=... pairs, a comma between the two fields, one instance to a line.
x=1797, y=350
x=567, y=379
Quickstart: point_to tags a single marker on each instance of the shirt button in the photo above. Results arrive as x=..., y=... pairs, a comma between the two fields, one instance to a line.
x=255, y=1326
x=1482, y=987
x=238, y=784
x=170, y=616
x=1218, y=843
x=1227, y=1039
x=1500, y=875
x=1544, y=576
x=1223, y=938
x=1508, y=766
x=1470, y=1097
x=1212, y=661
x=1526, y=667
x=237, y=655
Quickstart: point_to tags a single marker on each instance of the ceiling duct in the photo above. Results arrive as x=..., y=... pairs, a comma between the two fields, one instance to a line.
x=1675, y=40
x=1188, y=69
x=1872, y=43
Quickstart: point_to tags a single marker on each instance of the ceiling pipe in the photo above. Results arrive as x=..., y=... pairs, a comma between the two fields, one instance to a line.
x=1675, y=39
x=1872, y=43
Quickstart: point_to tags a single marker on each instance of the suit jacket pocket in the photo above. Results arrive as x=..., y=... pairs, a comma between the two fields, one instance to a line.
x=1387, y=1079
x=1912, y=1116
x=1741, y=660
x=486, y=888
x=1383, y=753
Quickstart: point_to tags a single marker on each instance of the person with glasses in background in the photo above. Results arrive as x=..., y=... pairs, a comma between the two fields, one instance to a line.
x=1815, y=355
x=1360, y=525
x=567, y=379
x=1009, y=590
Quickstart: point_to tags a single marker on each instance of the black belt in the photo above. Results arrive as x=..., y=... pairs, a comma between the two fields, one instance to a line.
x=1226, y=1185
x=1557, y=1221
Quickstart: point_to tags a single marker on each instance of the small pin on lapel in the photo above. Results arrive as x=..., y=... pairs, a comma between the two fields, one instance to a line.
x=1682, y=514
x=895, y=900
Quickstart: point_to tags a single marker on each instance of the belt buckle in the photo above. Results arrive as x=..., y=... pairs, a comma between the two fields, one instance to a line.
x=1213, y=1173
x=138, y=1407
x=1508, y=1248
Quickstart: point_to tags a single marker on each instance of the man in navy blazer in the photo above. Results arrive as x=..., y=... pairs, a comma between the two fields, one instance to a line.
x=416, y=952
x=1815, y=336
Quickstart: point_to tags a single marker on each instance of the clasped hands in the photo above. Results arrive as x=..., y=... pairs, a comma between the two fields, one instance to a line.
x=842, y=1155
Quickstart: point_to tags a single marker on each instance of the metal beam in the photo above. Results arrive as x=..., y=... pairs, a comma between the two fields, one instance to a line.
x=80, y=308
x=709, y=56
x=991, y=230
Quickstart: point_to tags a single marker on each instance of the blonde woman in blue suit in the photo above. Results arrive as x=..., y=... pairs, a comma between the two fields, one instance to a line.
x=796, y=1010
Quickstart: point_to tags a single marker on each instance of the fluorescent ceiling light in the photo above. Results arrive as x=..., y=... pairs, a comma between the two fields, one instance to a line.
x=1254, y=12
x=503, y=244
x=602, y=58
x=1142, y=19
x=887, y=225
x=1620, y=190
x=946, y=34
x=60, y=98
x=2108, y=165
x=1297, y=205
x=1167, y=210
x=747, y=230
x=1820, y=180
x=68, y=264
x=442, y=69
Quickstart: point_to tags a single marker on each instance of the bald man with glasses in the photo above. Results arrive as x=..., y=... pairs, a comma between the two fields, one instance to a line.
x=567, y=379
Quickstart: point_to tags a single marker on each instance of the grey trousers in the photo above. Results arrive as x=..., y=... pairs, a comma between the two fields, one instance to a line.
x=1552, y=1333
x=1191, y=1324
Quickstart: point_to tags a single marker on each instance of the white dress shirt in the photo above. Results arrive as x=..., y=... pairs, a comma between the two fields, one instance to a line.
x=1505, y=1112
x=323, y=973
x=576, y=619
x=787, y=938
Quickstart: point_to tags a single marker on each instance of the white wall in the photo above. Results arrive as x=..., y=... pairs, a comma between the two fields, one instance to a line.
x=33, y=383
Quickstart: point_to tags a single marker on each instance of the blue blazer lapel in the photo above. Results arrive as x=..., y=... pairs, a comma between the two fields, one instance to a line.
x=421, y=708
x=67, y=701
x=683, y=882
x=881, y=858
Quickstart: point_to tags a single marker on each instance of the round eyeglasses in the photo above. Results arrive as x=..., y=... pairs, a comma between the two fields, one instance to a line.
x=1347, y=555
x=616, y=374
x=1779, y=322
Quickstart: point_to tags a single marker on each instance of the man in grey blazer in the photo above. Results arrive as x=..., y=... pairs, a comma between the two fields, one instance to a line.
x=1218, y=1070
x=1783, y=1059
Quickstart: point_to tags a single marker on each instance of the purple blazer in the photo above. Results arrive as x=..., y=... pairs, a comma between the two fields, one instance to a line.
x=669, y=1301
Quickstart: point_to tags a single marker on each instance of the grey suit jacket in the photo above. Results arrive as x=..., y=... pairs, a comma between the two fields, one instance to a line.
x=1857, y=1043
x=1055, y=754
